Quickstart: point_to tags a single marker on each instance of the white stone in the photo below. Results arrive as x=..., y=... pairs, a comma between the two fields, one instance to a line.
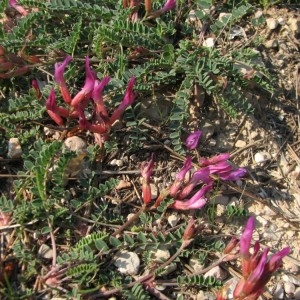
x=294, y=24
x=272, y=23
x=262, y=221
x=270, y=236
x=240, y=144
x=154, y=191
x=262, y=157
x=279, y=292
x=45, y=252
x=217, y=272
x=258, y=14
x=14, y=148
x=161, y=254
x=195, y=264
x=75, y=143
x=271, y=44
x=209, y=42
x=291, y=278
x=127, y=262
x=116, y=162
x=289, y=288
x=173, y=219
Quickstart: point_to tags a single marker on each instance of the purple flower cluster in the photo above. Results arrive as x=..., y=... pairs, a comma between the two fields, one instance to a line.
x=257, y=267
x=202, y=179
x=91, y=92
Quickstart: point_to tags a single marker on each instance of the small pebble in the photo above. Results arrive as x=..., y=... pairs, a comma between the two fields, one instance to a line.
x=173, y=220
x=271, y=44
x=289, y=288
x=272, y=23
x=240, y=144
x=127, y=262
x=14, y=148
x=75, y=143
x=45, y=252
x=209, y=42
x=161, y=254
x=279, y=292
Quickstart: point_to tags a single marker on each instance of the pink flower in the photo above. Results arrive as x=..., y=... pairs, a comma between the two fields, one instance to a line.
x=233, y=175
x=60, y=80
x=193, y=139
x=189, y=230
x=169, y=5
x=180, y=176
x=20, y=9
x=196, y=202
x=146, y=172
x=214, y=160
x=127, y=101
x=98, y=98
x=88, y=87
x=246, y=238
x=199, y=176
x=54, y=111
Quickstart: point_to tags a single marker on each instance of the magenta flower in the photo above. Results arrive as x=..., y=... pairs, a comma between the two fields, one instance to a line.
x=54, y=111
x=233, y=175
x=214, y=160
x=196, y=202
x=193, y=139
x=127, y=101
x=180, y=176
x=20, y=9
x=246, y=238
x=169, y=5
x=257, y=268
x=60, y=80
x=146, y=172
x=199, y=176
x=88, y=87
x=100, y=109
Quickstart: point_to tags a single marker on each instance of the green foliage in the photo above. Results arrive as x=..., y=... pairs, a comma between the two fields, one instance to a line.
x=199, y=280
x=136, y=292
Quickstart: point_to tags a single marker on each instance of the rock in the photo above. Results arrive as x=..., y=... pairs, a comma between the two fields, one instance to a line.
x=123, y=184
x=240, y=144
x=173, y=219
x=45, y=252
x=207, y=130
x=271, y=44
x=272, y=23
x=289, y=288
x=154, y=191
x=258, y=14
x=195, y=264
x=205, y=296
x=262, y=221
x=209, y=42
x=294, y=25
x=116, y=162
x=75, y=143
x=261, y=158
x=217, y=272
x=161, y=254
x=14, y=148
x=291, y=278
x=279, y=292
x=127, y=262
